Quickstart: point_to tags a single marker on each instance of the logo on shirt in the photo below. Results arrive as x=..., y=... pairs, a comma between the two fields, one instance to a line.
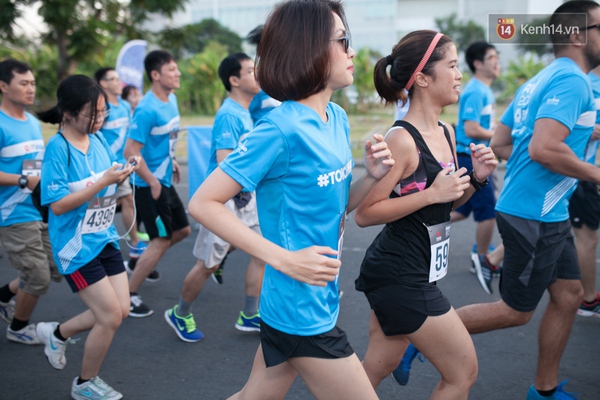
x=553, y=101
x=336, y=176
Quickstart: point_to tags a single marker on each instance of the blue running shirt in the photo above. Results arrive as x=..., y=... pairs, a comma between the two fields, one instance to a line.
x=261, y=104
x=301, y=169
x=71, y=247
x=232, y=123
x=476, y=103
x=156, y=125
x=592, y=148
x=115, y=128
x=21, y=144
x=562, y=92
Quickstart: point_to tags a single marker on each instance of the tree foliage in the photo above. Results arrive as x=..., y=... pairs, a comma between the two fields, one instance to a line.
x=461, y=33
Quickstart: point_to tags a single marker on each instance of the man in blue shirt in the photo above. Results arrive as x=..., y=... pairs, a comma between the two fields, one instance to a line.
x=476, y=120
x=153, y=135
x=543, y=134
x=114, y=130
x=232, y=123
x=23, y=234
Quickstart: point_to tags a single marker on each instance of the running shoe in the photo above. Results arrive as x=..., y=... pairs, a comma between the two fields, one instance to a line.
x=7, y=311
x=560, y=394
x=94, y=389
x=53, y=348
x=587, y=309
x=137, y=250
x=143, y=236
x=26, y=335
x=474, y=251
x=185, y=327
x=248, y=324
x=137, y=308
x=217, y=276
x=485, y=271
x=402, y=373
x=130, y=266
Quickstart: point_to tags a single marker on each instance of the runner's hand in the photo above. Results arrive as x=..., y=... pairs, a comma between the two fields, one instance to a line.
x=484, y=161
x=449, y=186
x=311, y=265
x=378, y=157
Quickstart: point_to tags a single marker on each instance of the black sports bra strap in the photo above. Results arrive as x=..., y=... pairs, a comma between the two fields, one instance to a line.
x=419, y=139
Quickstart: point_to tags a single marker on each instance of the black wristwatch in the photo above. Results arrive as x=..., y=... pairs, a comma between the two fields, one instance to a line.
x=478, y=185
x=23, y=181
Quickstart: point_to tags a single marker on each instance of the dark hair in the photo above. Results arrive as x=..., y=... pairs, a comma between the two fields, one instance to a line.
x=101, y=73
x=126, y=90
x=155, y=60
x=254, y=35
x=564, y=16
x=231, y=66
x=72, y=95
x=293, y=56
x=476, y=52
x=404, y=60
x=8, y=68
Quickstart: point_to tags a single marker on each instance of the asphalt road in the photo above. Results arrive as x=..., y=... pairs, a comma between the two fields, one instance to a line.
x=148, y=361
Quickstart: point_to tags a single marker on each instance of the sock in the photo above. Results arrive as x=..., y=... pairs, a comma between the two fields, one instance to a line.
x=81, y=381
x=17, y=324
x=546, y=393
x=6, y=294
x=251, y=305
x=492, y=266
x=184, y=308
x=58, y=335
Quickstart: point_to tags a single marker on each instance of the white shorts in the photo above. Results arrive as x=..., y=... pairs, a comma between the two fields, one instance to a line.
x=212, y=249
x=124, y=188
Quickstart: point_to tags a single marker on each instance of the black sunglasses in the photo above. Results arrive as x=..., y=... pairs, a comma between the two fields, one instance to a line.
x=345, y=40
x=587, y=28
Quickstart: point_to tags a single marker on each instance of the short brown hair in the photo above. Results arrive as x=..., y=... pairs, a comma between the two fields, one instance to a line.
x=293, y=56
x=404, y=60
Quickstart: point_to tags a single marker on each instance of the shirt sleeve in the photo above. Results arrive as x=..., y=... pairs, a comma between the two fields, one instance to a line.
x=508, y=117
x=141, y=125
x=226, y=132
x=565, y=99
x=262, y=155
x=54, y=180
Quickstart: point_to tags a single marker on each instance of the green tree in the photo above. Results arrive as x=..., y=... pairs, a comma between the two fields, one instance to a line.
x=517, y=73
x=461, y=33
x=193, y=38
x=79, y=29
x=536, y=43
x=364, y=62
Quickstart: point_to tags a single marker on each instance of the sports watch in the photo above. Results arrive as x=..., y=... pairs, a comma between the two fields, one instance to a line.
x=23, y=181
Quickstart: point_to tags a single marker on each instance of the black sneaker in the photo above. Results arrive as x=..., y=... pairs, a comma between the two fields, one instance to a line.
x=484, y=270
x=217, y=276
x=590, y=309
x=137, y=308
x=130, y=266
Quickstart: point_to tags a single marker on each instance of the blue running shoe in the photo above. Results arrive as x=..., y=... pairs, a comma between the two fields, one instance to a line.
x=560, y=394
x=248, y=324
x=402, y=373
x=185, y=327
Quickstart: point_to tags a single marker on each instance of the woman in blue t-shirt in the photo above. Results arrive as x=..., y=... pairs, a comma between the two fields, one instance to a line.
x=400, y=269
x=79, y=179
x=298, y=160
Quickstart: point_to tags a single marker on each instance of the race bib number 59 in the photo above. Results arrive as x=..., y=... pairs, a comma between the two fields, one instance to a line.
x=439, y=238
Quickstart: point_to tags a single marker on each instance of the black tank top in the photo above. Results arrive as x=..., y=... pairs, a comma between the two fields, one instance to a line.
x=401, y=252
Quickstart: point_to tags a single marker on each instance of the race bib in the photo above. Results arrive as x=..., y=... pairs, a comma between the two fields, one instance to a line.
x=439, y=239
x=99, y=214
x=32, y=167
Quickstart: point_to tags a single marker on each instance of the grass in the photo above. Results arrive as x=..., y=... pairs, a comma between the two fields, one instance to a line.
x=362, y=126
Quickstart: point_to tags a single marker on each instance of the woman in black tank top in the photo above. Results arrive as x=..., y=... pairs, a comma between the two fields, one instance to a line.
x=400, y=269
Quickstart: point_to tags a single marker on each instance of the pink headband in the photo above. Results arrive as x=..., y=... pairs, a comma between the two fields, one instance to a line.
x=424, y=60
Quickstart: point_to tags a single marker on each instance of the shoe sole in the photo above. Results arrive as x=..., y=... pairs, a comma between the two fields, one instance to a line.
x=214, y=278
x=585, y=313
x=247, y=328
x=479, y=273
x=397, y=381
x=177, y=330
x=134, y=315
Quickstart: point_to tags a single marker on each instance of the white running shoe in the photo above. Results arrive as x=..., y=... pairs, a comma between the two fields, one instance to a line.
x=26, y=335
x=7, y=311
x=53, y=348
x=94, y=389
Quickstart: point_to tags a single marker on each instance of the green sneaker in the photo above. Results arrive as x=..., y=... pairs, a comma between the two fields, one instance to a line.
x=248, y=324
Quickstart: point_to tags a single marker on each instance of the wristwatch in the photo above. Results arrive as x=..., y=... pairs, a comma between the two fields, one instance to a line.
x=23, y=181
x=478, y=185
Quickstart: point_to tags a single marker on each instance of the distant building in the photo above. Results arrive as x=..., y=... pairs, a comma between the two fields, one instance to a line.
x=377, y=24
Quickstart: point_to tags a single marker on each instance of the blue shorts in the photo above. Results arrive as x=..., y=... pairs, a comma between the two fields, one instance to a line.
x=108, y=263
x=482, y=203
